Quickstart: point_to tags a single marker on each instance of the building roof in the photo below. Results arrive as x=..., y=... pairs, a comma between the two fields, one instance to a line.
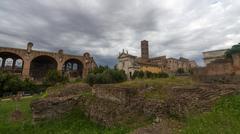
x=123, y=54
x=215, y=50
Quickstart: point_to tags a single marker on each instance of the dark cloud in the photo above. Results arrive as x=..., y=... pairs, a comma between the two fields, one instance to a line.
x=105, y=27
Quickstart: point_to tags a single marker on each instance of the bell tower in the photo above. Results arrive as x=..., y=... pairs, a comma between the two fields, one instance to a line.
x=144, y=49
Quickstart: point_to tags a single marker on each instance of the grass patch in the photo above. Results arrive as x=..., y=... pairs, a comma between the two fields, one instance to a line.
x=223, y=119
x=157, y=83
x=72, y=123
x=160, y=85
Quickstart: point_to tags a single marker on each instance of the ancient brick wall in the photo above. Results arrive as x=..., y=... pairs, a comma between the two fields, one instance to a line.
x=221, y=70
x=28, y=55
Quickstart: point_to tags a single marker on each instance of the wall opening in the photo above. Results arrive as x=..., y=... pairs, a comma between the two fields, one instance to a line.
x=73, y=68
x=11, y=62
x=41, y=65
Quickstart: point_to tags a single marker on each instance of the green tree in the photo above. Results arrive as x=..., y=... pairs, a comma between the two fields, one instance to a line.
x=163, y=75
x=53, y=77
x=105, y=75
x=235, y=49
x=180, y=71
x=11, y=83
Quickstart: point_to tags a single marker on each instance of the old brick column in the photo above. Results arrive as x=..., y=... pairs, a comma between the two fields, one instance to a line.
x=236, y=63
x=60, y=61
x=26, y=68
x=27, y=61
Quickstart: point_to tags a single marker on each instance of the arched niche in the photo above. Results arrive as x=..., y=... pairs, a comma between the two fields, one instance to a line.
x=8, y=62
x=41, y=65
x=73, y=68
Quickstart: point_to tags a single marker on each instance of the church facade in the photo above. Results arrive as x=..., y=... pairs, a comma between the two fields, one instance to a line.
x=130, y=63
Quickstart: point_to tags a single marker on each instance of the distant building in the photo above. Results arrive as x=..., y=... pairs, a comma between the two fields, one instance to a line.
x=130, y=63
x=211, y=56
x=33, y=64
x=220, y=68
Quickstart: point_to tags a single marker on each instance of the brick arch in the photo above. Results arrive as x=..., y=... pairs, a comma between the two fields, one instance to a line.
x=13, y=57
x=28, y=54
x=11, y=51
x=40, y=65
x=35, y=55
x=73, y=67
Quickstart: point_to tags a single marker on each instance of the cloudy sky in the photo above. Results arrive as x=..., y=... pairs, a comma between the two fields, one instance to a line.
x=105, y=27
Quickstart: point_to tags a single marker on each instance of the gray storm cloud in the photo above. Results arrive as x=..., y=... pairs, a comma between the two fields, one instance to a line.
x=105, y=27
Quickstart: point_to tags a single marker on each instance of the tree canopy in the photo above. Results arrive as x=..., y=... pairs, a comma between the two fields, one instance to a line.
x=235, y=49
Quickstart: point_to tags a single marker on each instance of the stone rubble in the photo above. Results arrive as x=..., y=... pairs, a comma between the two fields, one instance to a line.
x=109, y=105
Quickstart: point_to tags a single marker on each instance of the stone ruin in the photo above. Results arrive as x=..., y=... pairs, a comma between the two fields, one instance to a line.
x=109, y=105
x=222, y=71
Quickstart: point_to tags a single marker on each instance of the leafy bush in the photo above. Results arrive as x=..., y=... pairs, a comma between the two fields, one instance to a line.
x=180, y=71
x=99, y=69
x=224, y=118
x=148, y=74
x=53, y=77
x=138, y=74
x=29, y=85
x=105, y=75
x=235, y=49
x=10, y=83
x=163, y=75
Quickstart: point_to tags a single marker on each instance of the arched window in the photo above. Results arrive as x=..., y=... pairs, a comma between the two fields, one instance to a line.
x=19, y=64
x=9, y=63
x=73, y=67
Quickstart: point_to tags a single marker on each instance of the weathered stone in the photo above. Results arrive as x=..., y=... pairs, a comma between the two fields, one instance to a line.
x=109, y=105
x=115, y=94
x=58, y=60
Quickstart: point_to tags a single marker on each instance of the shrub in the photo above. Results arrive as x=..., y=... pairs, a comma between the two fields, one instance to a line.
x=163, y=75
x=13, y=84
x=148, y=74
x=180, y=71
x=99, y=69
x=105, y=76
x=138, y=74
x=10, y=83
x=29, y=85
x=53, y=77
x=235, y=49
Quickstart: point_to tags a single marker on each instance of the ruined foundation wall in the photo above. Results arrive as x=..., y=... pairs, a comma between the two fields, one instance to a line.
x=109, y=106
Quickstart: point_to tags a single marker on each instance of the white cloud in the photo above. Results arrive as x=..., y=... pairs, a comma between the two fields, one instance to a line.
x=105, y=27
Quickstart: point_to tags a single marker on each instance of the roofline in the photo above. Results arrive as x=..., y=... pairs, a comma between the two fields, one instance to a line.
x=215, y=50
x=42, y=51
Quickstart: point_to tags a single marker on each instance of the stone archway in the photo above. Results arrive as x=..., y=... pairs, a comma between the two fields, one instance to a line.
x=40, y=66
x=11, y=62
x=73, y=68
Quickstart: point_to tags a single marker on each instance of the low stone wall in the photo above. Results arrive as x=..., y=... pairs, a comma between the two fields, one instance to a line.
x=109, y=106
x=115, y=94
x=224, y=79
x=52, y=107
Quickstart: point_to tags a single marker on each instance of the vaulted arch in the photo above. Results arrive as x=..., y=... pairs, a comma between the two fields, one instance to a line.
x=8, y=62
x=73, y=68
x=40, y=66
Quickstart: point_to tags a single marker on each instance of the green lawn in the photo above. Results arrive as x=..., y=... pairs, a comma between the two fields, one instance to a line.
x=72, y=123
x=161, y=85
x=223, y=119
x=158, y=82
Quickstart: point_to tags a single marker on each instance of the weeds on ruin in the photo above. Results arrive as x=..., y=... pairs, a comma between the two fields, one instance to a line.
x=53, y=77
x=74, y=122
x=223, y=119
